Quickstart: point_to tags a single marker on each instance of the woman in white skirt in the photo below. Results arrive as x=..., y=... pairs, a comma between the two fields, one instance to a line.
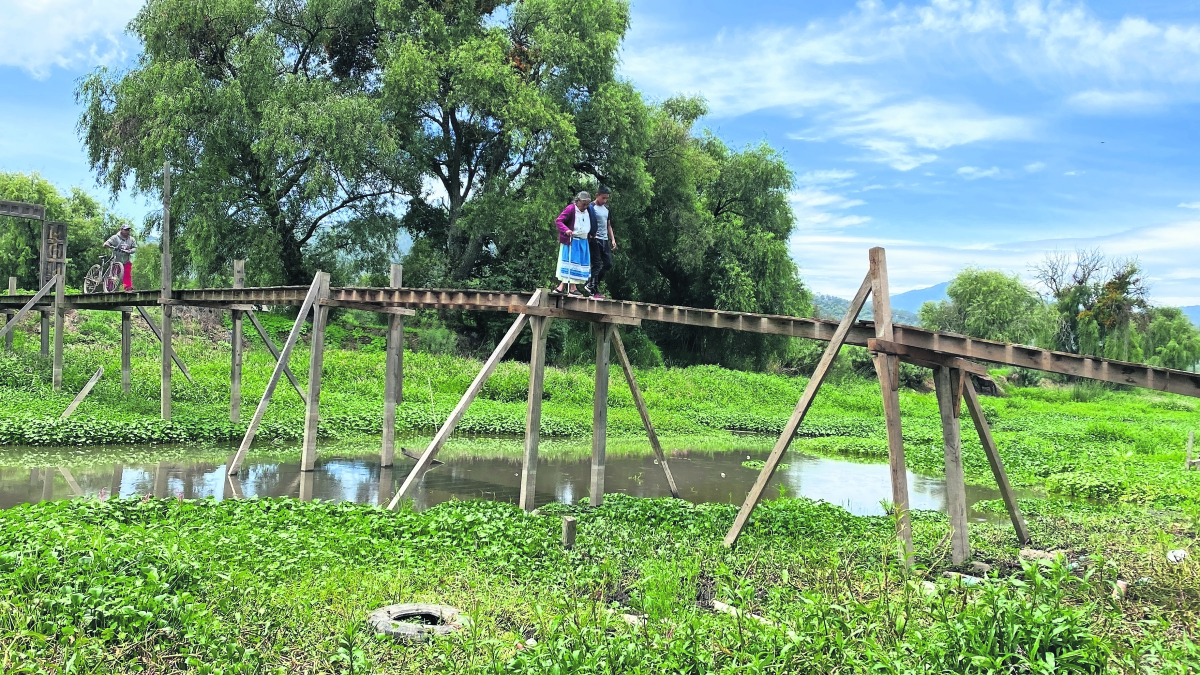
x=576, y=225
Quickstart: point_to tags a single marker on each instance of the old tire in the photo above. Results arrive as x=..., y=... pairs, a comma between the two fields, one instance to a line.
x=417, y=622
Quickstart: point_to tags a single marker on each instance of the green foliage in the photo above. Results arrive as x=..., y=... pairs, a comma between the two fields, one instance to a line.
x=987, y=304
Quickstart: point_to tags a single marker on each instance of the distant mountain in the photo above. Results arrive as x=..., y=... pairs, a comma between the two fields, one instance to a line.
x=911, y=301
x=1193, y=313
x=834, y=308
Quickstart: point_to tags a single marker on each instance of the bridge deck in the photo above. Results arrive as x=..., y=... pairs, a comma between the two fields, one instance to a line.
x=945, y=344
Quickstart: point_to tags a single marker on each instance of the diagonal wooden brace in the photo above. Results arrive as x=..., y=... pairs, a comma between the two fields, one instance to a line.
x=8, y=327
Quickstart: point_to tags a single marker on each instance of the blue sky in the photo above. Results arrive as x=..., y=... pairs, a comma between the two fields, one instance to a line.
x=951, y=132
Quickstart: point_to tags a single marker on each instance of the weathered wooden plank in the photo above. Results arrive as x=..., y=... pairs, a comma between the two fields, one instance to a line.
x=87, y=389
x=168, y=327
x=575, y=315
x=956, y=487
x=236, y=347
x=640, y=403
x=9, y=314
x=439, y=439
x=993, y=455
x=316, y=367
x=60, y=320
x=287, y=370
x=293, y=337
x=11, y=324
x=887, y=366
x=927, y=356
x=154, y=329
x=540, y=326
x=45, y=334
x=793, y=423
x=369, y=307
x=603, y=333
x=393, y=375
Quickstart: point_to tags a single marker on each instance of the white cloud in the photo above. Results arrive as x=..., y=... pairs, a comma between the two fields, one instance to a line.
x=973, y=173
x=41, y=34
x=1098, y=101
x=826, y=176
x=1035, y=167
x=1190, y=205
x=818, y=209
x=1072, y=173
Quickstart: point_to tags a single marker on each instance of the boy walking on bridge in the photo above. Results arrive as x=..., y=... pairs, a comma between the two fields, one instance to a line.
x=602, y=244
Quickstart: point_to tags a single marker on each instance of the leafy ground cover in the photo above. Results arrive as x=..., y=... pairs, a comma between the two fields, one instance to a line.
x=144, y=585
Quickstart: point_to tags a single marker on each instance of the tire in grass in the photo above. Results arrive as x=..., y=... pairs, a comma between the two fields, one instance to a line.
x=417, y=622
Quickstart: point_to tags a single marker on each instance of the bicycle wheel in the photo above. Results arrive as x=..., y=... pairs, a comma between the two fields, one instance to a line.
x=112, y=280
x=91, y=281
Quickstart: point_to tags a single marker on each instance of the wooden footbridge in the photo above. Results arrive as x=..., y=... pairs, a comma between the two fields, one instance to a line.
x=953, y=358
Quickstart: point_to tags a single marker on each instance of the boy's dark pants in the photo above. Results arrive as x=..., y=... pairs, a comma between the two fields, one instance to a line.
x=601, y=261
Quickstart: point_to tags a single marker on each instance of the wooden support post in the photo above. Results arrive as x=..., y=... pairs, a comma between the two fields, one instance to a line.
x=540, y=325
x=87, y=389
x=993, y=455
x=956, y=487
x=316, y=365
x=313, y=291
x=393, y=375
x=126, y=349
x=887, y=366
x=1187, y=461
x=11, y=324
x=114, y=489
x=443, y=434
x=45, y=333
x=387, y=483
x=793, y=423
x=47, y=484
x=60, y=315
x=165, y=293
x=603, y=333
x=307, y=478
x=266, y=338
x=638, y=401
x=158, y=335
x=232, y=488
x=568, y=532
x=160, y=480
x=235, y=341
x=9, y=314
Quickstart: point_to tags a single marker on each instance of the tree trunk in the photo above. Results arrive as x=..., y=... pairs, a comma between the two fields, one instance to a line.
x=291, y=258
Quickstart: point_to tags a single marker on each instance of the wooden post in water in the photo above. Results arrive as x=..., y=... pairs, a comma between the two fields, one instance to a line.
x=47, y=484
x=306, y=481
x=60, y=315
x=887, y=367
x=393, y=375
x=603, y=333
x=316, y=364
x=160, y=480
x=956, y=487
x=540, y=325
x=165, y=295
x=45, y=333
x=8, y=313
x=126, y=349
x=114, y=490
x=235, y=341
x=802, y=406
x=387, y=483
x=993, y=455
x=568, y=532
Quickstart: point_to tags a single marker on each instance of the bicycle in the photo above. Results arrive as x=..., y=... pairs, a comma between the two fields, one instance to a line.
x=104, y=276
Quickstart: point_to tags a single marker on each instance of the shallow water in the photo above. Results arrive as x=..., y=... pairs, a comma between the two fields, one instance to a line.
x=701, y=477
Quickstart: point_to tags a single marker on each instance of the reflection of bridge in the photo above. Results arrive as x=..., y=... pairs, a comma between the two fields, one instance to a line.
x=952, y=357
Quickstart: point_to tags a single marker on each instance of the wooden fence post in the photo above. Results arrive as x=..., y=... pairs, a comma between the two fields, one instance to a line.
x=802, y=406
x=603, y=333
x=393, y=375
x=126, y=349
x=887, y=367
x=956, y=488
x=993, y=455
x=316, y=365
x=9, y=314
x=235, y=341
x=540, y=325
x=165, y=295
x=638, y=401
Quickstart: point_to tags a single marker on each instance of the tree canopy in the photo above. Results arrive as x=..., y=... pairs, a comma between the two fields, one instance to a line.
x=987, y=304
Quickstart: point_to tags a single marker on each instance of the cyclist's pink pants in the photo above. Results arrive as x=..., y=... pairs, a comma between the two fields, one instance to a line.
x=128, y=278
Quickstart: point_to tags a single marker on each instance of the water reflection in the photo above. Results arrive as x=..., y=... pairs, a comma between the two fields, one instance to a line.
x=701, y=476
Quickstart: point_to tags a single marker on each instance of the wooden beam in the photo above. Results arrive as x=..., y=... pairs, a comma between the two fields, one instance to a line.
x=993, y=455
x=592, y=317
x=87, y=389
x=316, y=367
x=603, y=333
x=9, y=314
x=793, y=423
x=887, y=368
x=393, y=374
x=11, y=324
x=126, y=350
x=287, y=370
x=168, y=328
x=638, y=401
x=229, y=306
x=443, y=434
x=60, y=321
x=387, y=483
x=367, y=307
x=922, y=357
x=45, y=334
x=956, y=486
x=540, y=325
x=313, y=292
x=154, y=329
x=235, y=352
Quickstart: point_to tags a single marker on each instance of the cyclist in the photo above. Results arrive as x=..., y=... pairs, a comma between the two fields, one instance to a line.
x=123, y=245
